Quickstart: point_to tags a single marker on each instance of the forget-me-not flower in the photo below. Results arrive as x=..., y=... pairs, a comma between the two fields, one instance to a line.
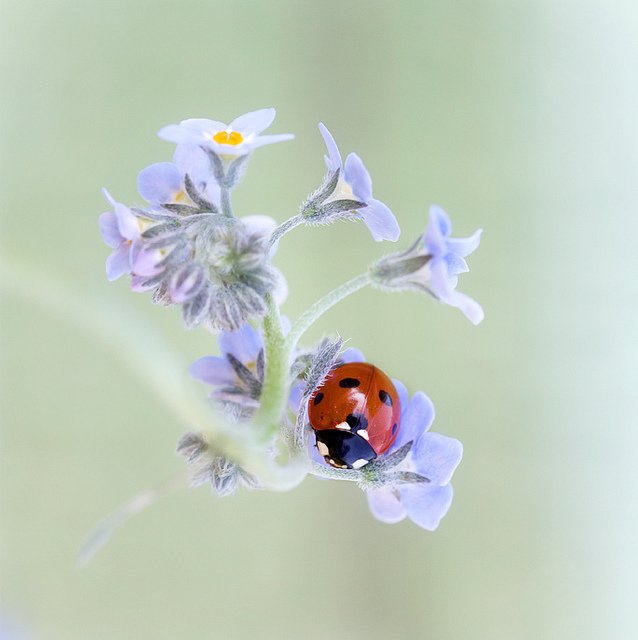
x=355, y=184
x=238, y=138
x=121, y=231
x=432, y=265
x=164, y=182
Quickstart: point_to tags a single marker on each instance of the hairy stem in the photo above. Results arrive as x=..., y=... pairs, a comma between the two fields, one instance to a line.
x=311, y=315
x=285, y=227
x=226, y=204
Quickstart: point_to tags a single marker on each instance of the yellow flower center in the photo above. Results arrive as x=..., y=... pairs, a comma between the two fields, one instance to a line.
x=224, y=137
x=180, y=196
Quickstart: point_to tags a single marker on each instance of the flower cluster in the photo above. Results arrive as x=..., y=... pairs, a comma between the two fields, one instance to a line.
x=186, y=247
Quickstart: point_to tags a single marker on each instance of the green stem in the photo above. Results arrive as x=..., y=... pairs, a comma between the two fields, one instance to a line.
x=274, y=391
x=285, y=227
x=227, y=206
x=311, y=315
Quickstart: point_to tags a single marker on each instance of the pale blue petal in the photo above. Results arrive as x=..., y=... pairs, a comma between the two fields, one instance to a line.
x=380, y=221
x=436, y=456
x=213, y=370
x=203, y=125
x=416, y=418
x=127, y=223
x=159, y=183
x=402, y=392
x=455, y=264
x=180, y=135
x=253, y=121
x=464, y=246
x=245, y=343
x=426, y=505
x=333, y=159
x=471, y=309
x=295, y=396
x=352, y=355
x=442, y=219
x=264, y=140
x=385, y=505
x=109, y=229
x=357, y=176
x=118, y=263
x=144, y=261
x=192, y=160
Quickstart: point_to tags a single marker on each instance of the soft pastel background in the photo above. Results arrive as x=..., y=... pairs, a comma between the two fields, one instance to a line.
x=517, y=116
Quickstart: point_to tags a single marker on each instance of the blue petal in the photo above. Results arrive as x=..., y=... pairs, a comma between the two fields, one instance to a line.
x=464, y=246
x=436, y=456
x=203, y=125
x=213, y=370
x=159, y=183
x=253, y=121
x=357, y=176
x=109, y=229
x=352, y=355
x=245, y=343
x=118, y=263
x=442, y=219
x=455, y=264
x=417, y=417
x=442, y=285
x=425, y=504
x=380, y=221
x=192, y=159
x=295, y=396
x=333, y=159
x=386, y=505
x=402, y=391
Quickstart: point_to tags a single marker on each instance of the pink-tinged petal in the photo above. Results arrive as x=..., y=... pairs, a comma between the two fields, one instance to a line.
x=245, y=343
x=264, y=140
x=137, y=284
x=109, y=229
x=144, y=261
x=352, y=355
x=333, y=159
x=380, y=221
x=357, y=176
x=416, y=418
x=426, y=505
x=385, y=505
x=253, y=121
x=436, y=457
x=159, y=183
x=118, y=263
x=213, y=370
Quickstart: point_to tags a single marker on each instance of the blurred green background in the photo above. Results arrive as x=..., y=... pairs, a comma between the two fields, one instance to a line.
x=516, y=116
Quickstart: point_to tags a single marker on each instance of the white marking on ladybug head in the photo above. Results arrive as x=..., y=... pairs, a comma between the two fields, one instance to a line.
x=357, y=464
x=323, y=450
x=364, y=434
x=344, y=426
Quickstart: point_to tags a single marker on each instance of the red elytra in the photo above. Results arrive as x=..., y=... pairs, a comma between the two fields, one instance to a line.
x=355, y=414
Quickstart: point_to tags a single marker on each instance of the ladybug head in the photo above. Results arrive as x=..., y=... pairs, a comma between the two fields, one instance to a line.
x=344, y=449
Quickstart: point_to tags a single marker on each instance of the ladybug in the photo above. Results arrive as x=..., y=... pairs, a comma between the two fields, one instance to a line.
x=355, y=415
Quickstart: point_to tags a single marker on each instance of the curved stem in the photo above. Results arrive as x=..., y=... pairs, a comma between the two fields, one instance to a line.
x=274, y=393
x=311, y=315
x=285, y=227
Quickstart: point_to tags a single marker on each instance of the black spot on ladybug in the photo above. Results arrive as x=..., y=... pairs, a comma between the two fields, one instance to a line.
x=349, y=383
x=357, y=421
x=384, y=396
x=394, y=428
x=318, y=398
